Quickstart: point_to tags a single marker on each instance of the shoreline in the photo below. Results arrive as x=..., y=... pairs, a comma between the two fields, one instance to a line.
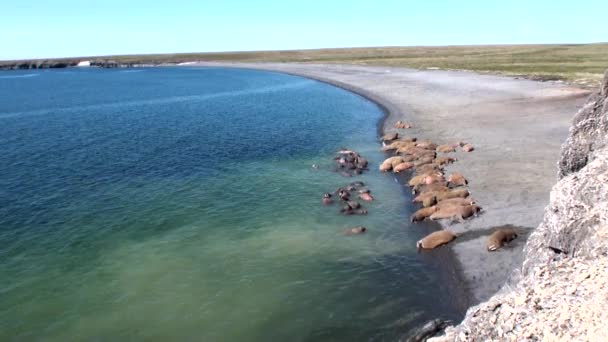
x=517, y=127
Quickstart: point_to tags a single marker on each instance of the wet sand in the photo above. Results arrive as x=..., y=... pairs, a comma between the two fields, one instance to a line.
x=517, y=127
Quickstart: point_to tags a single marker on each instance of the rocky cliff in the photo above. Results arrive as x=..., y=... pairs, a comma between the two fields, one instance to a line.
x=561, y=290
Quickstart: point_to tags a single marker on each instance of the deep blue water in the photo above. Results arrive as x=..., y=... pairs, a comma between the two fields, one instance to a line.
x=179, y=203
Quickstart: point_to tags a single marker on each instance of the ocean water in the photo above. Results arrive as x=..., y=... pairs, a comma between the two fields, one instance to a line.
x=180, y=204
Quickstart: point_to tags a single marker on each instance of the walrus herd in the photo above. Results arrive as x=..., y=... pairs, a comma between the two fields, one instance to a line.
x=350, y=163
x=440, y=197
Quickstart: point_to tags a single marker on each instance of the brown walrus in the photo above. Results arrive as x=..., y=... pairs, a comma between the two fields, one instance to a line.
x=445, y=148
x=391, y=162
x=458, y=192
x=457, y=201
x=390, y=136
x=468, y=148
x=500, y=237
x=402, y=124
x=424, y=160
x=427, y=199
x=427, y=168
x=423, y=213
x=403, y=166
x=426, y=144
x=455, y=212
x=355, y=231
x=420, y=179
x=457, y=179
x=444, y=160
x=437, y=187
x=436, y=239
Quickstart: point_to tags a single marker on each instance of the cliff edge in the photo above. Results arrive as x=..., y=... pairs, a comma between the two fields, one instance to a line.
x=561, y=290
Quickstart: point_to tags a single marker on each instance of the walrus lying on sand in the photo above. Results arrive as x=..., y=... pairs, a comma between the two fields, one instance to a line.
x=445, y=148
x=458, y=201
x=402, y=124
x=389, y=163
x=468, y=148
x=453, y=193
x=355, y=231
x=390, y=136
x=455, y=212
x=444, y=160
x=500, y=237
x=403, y=166
x=436, y=239
x=423, y=213
x=457, y=179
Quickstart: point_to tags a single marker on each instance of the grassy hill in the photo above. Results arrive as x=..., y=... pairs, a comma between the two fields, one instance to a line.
x=581, y=64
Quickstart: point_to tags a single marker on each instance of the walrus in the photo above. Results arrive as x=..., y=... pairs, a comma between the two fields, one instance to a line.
x=397, y=144
x=427, y=199
x=445, y=148
x=427, y=145
x=327, y=200
x=453, y=193
x=444, y=160
x=365, y=196
x=424, y=160
x=355, y=212
x=423, y=213
x=500, y=237
x=361, y=162
x=455, y=212
x=436, y=239
x=357, y=184
x=391, y=162
x=343, y=194
x=421, y=178
x=457, y=179
x=468, y=148
x=422, y=188
x=457, y=201
x=355, y=231
x=401, y=124
x=403, y=166
x=432, y=167
x=390, y=136
x=353, y=204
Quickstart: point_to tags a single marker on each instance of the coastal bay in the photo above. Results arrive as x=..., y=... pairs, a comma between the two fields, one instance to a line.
x=517, y=127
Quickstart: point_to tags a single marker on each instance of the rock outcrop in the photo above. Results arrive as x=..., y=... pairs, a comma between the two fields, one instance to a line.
x=561, y=290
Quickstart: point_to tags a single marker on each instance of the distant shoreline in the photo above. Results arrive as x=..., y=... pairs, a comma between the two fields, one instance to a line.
x=516, y=125
x=541, y=62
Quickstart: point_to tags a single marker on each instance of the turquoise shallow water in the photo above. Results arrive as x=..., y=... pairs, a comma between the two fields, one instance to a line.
x=179, y=203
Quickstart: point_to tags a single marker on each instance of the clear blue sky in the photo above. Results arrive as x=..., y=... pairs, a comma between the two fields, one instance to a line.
x=37, y=29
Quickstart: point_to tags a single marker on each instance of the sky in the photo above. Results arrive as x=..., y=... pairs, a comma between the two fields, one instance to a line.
x=70, y=28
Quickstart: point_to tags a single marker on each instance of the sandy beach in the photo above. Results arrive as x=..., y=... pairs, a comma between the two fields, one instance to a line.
x=516, y=126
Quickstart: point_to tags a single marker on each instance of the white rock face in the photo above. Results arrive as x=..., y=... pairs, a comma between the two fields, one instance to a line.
x=83, y=64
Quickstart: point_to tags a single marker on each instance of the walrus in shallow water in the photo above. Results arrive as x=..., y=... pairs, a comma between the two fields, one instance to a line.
x=500, y=237
x=458, y=212
x=366, y=196
x=327, y=200
x=355, y=231
x=423, y=213
x=436, y=239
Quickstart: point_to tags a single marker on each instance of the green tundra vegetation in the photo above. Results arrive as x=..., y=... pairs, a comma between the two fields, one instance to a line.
x=580, y=64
